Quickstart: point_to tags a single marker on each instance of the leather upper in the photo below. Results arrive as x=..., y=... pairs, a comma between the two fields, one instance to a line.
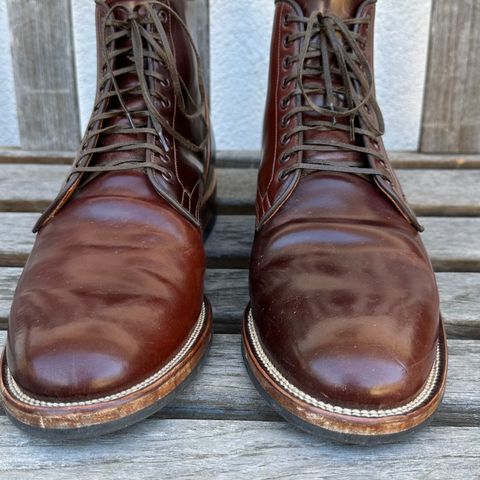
x=114, y=284
x=343, y=294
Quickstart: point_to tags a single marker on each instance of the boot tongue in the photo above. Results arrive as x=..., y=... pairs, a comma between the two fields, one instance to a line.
x=343, y=9
x=340, y=8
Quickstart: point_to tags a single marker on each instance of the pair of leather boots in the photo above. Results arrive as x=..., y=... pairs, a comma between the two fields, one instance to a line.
x=343, y=334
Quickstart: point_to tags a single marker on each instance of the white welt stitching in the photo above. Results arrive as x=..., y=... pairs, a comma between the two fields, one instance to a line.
x=22, y=396
x=424, y=395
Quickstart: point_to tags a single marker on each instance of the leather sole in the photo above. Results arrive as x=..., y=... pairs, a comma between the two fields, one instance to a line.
x=352, y=426
x=98, y=416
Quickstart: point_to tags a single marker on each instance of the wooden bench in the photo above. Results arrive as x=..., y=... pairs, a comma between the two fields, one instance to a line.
x=219, y=427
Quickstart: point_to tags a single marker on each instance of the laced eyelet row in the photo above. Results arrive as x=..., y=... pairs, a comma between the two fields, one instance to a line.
x=286, y=138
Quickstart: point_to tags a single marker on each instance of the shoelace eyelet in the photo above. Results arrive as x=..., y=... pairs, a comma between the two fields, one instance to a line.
x=165, y=82
x=285, y=121
x=285, y=140
x=285, y=83
x=167, y=176
x=163, y=16
x=284, y=159
x=286, y=41
x=282, y=176
x=160, y=157
x=166, y=103
x=285, y=102
x=286, y=20
x=287, y=61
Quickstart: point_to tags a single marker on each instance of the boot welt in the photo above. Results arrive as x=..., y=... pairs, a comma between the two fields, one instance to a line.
x=98, y=416
x=351, y=426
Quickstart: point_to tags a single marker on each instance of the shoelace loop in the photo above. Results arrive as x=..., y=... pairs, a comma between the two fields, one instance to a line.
x=332, y=64
x=145, y=44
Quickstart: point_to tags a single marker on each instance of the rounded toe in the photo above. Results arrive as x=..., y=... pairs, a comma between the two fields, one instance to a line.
x=72, y=362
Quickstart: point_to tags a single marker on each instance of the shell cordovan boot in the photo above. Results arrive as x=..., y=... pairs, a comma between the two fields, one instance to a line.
x=109, y=318
x=343, y=335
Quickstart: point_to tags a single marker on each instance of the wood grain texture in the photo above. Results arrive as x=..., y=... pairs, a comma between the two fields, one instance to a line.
x=19, y=156
x=31, y=187
x=451, y=113
x=43, y=67
x=227, y=290
x=198, y=20
x=453, y=243
x=183, y=449
x=224, y=390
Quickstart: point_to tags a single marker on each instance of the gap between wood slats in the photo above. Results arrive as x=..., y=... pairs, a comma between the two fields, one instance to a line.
x=248, y=159
x=223, y=389
x=227, y=290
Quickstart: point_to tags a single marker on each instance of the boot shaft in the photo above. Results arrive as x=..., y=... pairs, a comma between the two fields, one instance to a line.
x=321, y=111
x=150, y=114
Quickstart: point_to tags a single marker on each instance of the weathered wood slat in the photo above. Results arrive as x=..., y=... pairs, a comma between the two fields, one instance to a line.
x=451, y=114
x=206, y=449
x=453, y=243
x=228, y=292
x=44, y=73
x=17, y=156
x=249, y=159
x=31, y=187
x=198, y=20
x=223, y=389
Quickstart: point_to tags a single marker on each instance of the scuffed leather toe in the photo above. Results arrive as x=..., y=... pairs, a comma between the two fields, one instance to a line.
x=346, y=309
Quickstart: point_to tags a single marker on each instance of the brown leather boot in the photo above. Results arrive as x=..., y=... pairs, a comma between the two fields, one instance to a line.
x=109, y=318
x=343, y=335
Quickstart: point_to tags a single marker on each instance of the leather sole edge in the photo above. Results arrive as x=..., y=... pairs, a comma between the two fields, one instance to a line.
x=336, y=426
x=93, y=417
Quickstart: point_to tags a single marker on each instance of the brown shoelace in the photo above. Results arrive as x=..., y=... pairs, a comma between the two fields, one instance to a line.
x=143, y=29
x=334, y=41
x=331, y=50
